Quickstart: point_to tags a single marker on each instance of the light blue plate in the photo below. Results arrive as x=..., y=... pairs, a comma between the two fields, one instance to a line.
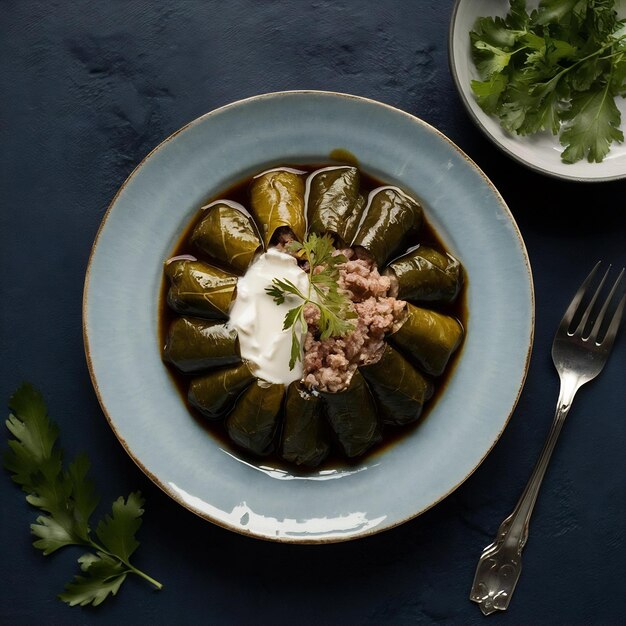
x=140, y=400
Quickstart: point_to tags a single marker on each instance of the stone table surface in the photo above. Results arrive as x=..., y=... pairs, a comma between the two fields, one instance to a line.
x=88, y=88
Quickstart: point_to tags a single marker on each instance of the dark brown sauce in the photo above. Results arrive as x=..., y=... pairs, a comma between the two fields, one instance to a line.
x=239, y=192
x=345, y=157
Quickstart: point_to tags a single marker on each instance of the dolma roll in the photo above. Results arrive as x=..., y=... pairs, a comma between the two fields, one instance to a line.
x=334, y=203
x=399, y=389
x=428, y=337
x=391, y=217
x=352, y=416
x=253, y=423
x=193, y=345
x=305, y=439
x=227, y=233
x=215, y=393
x=425, y=275
x=197, y=288
x=277, y=201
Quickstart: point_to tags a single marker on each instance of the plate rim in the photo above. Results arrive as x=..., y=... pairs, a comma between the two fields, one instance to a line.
x=306, y=540
x=479, y=124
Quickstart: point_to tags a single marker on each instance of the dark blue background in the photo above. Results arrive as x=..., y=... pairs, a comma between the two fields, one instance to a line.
x=88, y=88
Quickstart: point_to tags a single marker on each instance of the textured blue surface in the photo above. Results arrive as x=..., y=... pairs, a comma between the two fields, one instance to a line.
x=87, y=92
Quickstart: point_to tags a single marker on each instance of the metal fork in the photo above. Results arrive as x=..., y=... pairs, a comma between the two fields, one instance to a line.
x=579, y=355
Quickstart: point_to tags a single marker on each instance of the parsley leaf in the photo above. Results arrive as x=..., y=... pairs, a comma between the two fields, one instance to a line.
x=618, y=78
x=295, y=349
x=336, y=312
x=558, y=68
x=489, y=59
x=488, y=92
x=276, y=292
x=594, y=125
x=117, y=531
x=32, y=451
x=105, y=576
x=557, y=10
x=67, y=499
x=292, y=317
x=517, y=18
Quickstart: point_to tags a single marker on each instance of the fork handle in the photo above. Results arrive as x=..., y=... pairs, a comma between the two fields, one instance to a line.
x=500, y=565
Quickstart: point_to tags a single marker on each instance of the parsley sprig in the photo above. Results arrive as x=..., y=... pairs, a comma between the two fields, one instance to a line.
x=67, y=499
x=558, y=68
x=336, y=313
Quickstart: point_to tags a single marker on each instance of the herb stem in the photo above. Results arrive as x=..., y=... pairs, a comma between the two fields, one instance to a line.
x=564, y=71
x=131, y=568
x=145, y=576
x=518, y=50
x=311, y=268
x=613, y=54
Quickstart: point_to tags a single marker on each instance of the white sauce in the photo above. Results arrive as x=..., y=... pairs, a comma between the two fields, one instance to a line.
x=259, y=320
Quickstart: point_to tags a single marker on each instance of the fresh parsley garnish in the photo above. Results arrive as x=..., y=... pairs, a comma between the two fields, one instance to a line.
x=558, y=68
x=67, y=499
x=334, y=305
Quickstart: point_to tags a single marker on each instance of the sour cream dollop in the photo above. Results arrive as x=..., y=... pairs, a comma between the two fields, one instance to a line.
x=259, y=320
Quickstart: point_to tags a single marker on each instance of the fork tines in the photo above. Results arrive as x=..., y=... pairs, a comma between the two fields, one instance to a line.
x=582, y=318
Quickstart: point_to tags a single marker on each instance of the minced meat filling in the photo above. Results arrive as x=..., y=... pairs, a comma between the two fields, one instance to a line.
x=330, y=363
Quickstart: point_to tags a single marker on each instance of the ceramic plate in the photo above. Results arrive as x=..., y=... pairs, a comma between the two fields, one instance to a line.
x=140, y=399
x=542, y=151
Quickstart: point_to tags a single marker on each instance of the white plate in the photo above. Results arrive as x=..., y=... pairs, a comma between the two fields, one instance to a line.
x=542, y=151
x=140, y=399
